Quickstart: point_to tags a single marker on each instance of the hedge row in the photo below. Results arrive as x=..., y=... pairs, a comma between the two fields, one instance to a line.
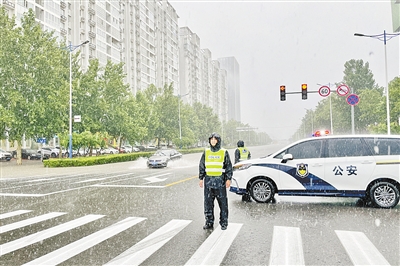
x=106, y=159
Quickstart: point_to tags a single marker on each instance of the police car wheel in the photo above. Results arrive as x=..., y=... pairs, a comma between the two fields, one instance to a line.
x=262, y=191
x=384, y=195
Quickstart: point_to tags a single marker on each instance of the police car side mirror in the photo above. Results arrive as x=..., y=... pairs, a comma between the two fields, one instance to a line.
x=287, y=157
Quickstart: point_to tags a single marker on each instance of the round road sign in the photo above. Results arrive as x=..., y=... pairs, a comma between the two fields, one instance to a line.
x=324, y=91
x=343, y=90
x=353, y=99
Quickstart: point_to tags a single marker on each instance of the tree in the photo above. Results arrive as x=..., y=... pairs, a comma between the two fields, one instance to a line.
x=32, y=77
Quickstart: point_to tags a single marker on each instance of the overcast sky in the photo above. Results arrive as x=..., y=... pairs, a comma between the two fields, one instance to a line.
x=290, y=43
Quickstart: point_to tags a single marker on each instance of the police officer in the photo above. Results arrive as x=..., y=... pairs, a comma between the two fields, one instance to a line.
x=241, y=153
x=215, y=174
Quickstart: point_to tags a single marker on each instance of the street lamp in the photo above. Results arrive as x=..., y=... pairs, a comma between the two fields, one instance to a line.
x=383, y=37
x=71, y=48
x=312, y=119
x=179, y=115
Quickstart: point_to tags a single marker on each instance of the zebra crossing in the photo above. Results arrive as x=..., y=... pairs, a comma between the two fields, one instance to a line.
x=286, y=245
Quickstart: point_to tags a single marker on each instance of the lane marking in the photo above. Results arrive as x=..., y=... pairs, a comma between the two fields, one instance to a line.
x=39, y=236
x=287, y=246
x=180, y=181
x=360, y=249
x=37, y=219
x=214, y=248
x=146, y=247
x=62, y=254
x=14, y=213
x=128, y=186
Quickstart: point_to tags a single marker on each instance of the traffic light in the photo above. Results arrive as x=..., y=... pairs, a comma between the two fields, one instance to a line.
x=304, y=91
x=283, y=93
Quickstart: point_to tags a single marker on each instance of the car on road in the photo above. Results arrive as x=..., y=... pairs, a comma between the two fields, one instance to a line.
x=5, y=155
x=359, y=166
x=30, y=154
x=161, y=158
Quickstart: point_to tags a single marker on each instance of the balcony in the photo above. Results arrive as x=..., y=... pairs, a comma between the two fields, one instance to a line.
x=63, y=18
x=63, y=31
x=63, y=5
x=92, y=23
x=92, y=11
x=9, y=4
x=92, y=34
x=92, y=46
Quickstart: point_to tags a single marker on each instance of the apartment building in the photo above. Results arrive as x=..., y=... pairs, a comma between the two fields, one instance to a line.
x=150, y=44
x=201, y=78
x=233, y=86
x=144, y=35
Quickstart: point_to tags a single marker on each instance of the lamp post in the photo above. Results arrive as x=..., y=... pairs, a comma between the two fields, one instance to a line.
x=312, y=119
x=71, y=48
x=179, y=115
x=330, y=104
x=383, y=37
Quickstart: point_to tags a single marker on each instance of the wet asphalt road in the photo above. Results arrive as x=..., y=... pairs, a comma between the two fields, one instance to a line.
x=168, y=206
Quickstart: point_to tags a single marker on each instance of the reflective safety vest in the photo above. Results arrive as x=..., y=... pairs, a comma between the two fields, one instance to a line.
x=244, y=153
x=214, y=162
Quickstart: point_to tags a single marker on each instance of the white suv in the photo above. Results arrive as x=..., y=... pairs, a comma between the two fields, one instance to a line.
x=361, y=166
x=4, y=155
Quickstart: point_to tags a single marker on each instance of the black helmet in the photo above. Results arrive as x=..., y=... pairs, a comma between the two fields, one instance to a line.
x=240, y=143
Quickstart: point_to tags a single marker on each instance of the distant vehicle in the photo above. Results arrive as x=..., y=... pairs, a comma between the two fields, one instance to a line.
x=151, y=148
x=358, y=166
x=49, y=152
x=5, y=155
x=30, y=154
x=110, y=150
x=162, y=157
x=129, y=148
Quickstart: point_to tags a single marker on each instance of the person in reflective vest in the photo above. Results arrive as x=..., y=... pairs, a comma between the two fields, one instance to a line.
x=215, y=174
x=241, y=153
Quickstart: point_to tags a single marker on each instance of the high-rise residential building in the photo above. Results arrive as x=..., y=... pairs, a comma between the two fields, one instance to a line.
x=201, y=77
x=144, y=35
x=206, y=77
x=190, y=66
x=150, y=44
x=233, y=83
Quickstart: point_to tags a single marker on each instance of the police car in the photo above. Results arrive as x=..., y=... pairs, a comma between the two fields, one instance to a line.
x=360, y=166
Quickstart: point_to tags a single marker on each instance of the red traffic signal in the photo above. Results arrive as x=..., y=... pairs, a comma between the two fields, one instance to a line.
x=304, y=91
x=283, y=92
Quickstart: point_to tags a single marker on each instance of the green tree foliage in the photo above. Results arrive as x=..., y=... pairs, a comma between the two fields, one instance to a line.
x=369, y=114
x=32, y=79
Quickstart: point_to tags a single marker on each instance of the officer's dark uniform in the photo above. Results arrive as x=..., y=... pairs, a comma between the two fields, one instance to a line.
x=241, y=153
x=215, y=168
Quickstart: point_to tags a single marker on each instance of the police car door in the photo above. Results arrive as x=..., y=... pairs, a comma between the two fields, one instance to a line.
x=349, y=164
x=304, y=173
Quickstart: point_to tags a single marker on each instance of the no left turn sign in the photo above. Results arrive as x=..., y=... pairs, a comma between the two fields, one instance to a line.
x=324, y=91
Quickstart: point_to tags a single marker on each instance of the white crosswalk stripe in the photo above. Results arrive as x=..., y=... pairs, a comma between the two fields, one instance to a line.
x=286, y=246
x=142, y=250
x=213, y=250
x=62, y=254
x=37, y=237
x=13, y=226
x=360, y=249
x=14, y=213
